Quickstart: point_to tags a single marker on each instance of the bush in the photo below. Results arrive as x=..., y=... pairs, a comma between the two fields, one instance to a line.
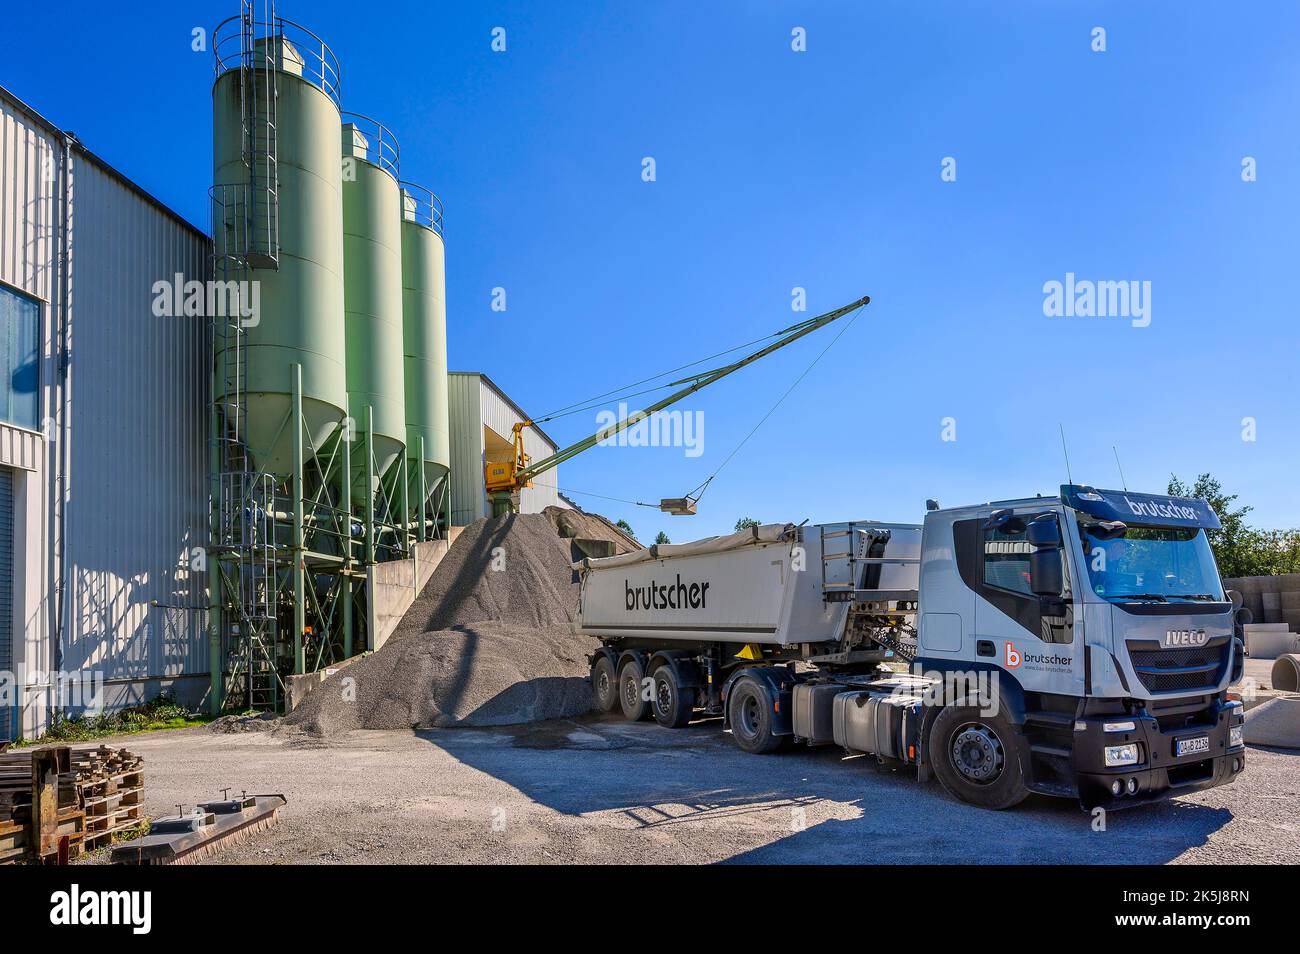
x=158, y=713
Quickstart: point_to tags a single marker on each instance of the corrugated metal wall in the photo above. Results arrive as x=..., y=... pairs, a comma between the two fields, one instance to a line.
x=475, y=404
x=139, y=392
x=464, y=416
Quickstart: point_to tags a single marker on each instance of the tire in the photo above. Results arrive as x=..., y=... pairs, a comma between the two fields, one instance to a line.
x=604, y=684
x=979, y=759
x=749, y=711
x=671, y=704
x=629, y=692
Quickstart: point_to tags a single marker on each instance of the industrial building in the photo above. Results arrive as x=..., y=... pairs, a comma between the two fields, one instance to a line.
x=280, y=440
x=483, y=418
x=98, y=600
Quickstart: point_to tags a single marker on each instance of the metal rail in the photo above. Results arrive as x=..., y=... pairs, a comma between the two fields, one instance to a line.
x=314, y=62
x=421, y=206
x=382, y=148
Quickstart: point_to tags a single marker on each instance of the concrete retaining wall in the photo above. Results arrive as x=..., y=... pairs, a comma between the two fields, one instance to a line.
x=392, y=587
x=1271, y=599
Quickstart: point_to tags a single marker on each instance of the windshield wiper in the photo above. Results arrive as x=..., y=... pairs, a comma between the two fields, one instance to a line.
x=1157, y=597
x=1197, y=596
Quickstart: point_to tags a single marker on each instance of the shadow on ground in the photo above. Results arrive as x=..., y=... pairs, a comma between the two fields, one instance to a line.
x=804, y=805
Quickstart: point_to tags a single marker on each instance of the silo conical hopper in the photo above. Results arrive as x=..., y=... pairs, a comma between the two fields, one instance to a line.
x=300, y=318
x=424, y=322
x=372, y=260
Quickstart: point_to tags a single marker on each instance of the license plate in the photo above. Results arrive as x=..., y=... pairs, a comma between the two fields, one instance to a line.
x=1191, y=746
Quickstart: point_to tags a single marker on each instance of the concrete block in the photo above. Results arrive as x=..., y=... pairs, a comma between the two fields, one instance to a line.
x=1272, y=642
x=1276, y=723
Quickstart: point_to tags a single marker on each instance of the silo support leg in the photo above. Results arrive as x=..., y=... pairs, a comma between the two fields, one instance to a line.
x=345, y=496
x=298, y=548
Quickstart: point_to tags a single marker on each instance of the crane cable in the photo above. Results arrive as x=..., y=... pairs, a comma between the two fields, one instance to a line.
x=587, y=403
x=698, y=492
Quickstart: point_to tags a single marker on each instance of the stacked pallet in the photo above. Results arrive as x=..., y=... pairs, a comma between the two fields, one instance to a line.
x=110, y=785
x=100, y=794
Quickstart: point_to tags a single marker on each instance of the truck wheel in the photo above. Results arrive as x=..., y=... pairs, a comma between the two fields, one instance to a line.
x=978, y=758
x=604, y=684
x=629, y=691
x=750, y=713
x=672, y=705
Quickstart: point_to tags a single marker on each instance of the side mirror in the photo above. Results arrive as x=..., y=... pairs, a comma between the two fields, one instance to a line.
x=1046, y=577
x=1044, y=533
x=1236, y=598
x=1004, y=521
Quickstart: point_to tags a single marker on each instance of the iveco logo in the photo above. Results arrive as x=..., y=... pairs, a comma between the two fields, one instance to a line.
x=1185, y=637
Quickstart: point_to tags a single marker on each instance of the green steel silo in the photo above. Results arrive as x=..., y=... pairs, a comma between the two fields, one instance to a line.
x=285, y=220
x=424, y=321
x=372, y=258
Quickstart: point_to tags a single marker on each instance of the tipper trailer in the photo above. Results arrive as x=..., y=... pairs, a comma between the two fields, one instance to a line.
x=1078, y=646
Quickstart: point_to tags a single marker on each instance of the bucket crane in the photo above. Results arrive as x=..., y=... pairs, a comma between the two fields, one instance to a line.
x=504, y=479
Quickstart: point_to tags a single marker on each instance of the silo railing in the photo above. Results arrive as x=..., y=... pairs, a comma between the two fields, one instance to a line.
x=251, y=43
x=382, y=149
x=421, y=206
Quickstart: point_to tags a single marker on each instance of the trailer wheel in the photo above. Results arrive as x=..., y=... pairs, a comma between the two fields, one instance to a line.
x=749, y=710
x=672, y=705
x=630, y=678
x=604, y=684
x=978, y=758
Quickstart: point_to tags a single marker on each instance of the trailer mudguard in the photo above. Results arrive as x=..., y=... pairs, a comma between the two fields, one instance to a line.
x=606, y=651
x=683, y=667
x=778, y=682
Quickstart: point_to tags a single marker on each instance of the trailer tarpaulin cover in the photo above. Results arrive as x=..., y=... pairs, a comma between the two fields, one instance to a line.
x=751, y=536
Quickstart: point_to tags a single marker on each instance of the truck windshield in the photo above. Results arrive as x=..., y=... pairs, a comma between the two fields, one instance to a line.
x=1152, y=564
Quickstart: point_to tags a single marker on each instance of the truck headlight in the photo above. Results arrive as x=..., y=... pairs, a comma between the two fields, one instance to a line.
x=1236, y=736
x=1126, y=726
x=1121, y=754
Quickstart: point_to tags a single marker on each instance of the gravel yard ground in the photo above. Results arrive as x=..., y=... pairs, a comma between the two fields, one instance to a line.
x=596, y=789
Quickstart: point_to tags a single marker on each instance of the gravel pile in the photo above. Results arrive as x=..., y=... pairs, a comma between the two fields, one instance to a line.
x=489, y=641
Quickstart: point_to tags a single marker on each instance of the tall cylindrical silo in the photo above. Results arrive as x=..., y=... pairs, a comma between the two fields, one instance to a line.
x=372, y=263
x=280, y=113
x=424, y=323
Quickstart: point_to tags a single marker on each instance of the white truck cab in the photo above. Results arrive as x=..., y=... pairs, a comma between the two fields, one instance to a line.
x=1103, y=614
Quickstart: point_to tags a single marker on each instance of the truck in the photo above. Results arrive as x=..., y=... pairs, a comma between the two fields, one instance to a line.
x=1079, y=646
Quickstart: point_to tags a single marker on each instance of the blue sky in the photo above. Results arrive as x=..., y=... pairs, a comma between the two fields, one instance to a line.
x=818, y=169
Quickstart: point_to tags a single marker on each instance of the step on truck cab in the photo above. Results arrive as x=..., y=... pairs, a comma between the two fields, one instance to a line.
x=1079, y=645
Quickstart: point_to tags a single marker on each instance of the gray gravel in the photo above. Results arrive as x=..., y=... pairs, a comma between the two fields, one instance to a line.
x=489, y=641
x=602, y=790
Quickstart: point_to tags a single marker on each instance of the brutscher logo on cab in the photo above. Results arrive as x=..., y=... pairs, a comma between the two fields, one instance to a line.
x=674, y=595
x=1014, y=657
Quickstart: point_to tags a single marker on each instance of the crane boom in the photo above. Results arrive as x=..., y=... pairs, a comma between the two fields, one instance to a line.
x=504, y=480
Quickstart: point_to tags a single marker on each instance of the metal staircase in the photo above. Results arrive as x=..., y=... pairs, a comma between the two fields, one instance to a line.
x=245, y=234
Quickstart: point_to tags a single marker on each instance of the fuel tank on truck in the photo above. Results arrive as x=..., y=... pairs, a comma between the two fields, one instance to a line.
x=761, y=585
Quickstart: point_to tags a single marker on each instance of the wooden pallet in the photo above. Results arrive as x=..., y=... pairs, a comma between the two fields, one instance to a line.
x=101, y=795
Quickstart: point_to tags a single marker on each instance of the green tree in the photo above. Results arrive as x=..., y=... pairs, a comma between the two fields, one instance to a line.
x=662, y=538
x=625, y=527
x=744, y=523
x=1239, y=549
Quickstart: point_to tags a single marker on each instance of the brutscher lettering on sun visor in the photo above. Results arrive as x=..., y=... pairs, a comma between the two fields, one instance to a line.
x=1152, y=509
x=674, y=595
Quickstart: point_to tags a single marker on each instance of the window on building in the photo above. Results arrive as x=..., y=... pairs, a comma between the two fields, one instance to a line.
x=20, y=322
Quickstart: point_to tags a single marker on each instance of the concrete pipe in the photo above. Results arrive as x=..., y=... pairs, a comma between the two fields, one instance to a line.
x=1286, y=672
